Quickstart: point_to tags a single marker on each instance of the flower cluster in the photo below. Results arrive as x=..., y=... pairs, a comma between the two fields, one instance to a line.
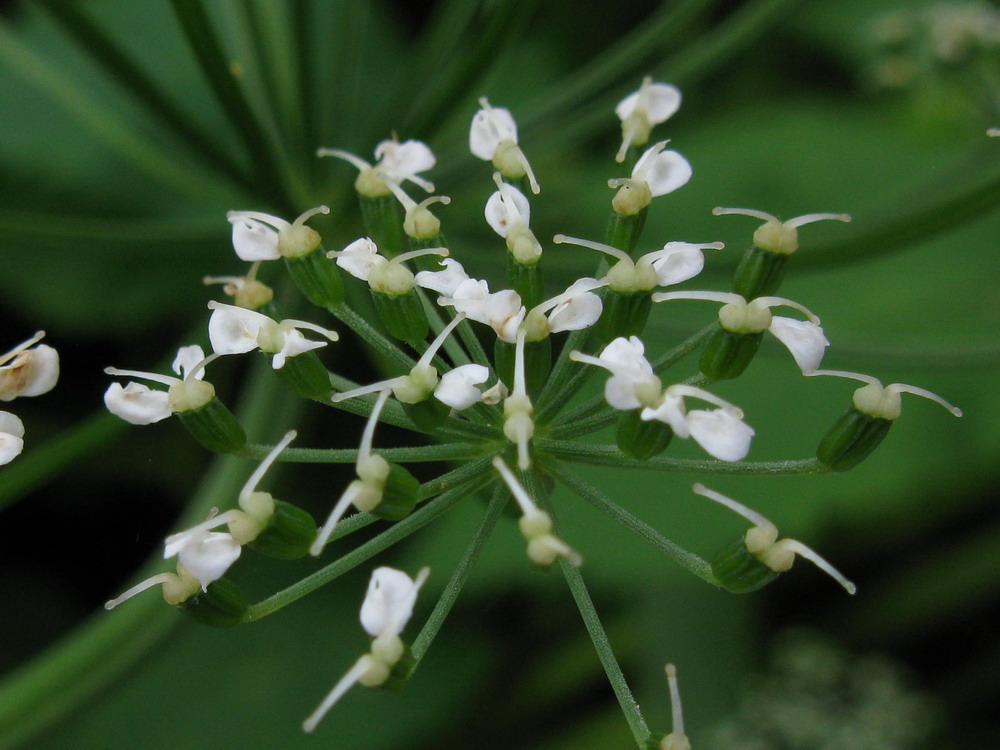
x=492, y=375
x=29, y=369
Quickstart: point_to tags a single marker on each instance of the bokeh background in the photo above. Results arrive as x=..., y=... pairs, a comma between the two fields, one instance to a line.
x=118, y=161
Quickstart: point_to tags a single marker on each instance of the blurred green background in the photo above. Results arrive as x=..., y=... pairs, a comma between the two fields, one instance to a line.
x=118, y=161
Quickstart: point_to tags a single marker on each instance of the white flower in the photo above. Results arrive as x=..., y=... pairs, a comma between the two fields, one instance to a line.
x=140, y=405
x=443, y=282
x=493, y=137
x=804, y=340
x=396, y=161
x=206, y=555
x=632, y=384
x=881, y=401
x=662, y=171
x=573, y=310
x=389, y=601
x=652, y=104
x=31, y=372
x=259, y=236
x=502, y=311
x=457, y=388
x=11, y=437
x=361, y=259
x=507, y=208
x=235, y=330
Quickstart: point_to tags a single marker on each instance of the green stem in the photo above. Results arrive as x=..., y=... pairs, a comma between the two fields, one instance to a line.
x=610, y=455
x=366, y=551
x=605, y=653
x=373, y=337
x=598, y=499
x=560, y=374
x=445, y=452
x=207, y=50
x=460, y=575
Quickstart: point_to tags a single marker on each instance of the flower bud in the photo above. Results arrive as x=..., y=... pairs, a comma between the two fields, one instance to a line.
x=222, y=604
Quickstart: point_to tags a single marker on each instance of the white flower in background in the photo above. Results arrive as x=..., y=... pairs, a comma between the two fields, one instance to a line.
x=28, y=370
x=493, y=138
x=236, y=330
x=804, y=339
x=138, y=404
x=399, y=162
x=385, y=611
x=660, y=171
x=652, y=104
x=11, y=437
x=259, y=236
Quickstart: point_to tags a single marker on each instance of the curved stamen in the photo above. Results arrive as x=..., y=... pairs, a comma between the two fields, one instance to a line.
x=751, y=515
x=357, y=161
x=213, y=521
x=365, y=450
x=138, y=589
x=588, y=359
x=364, y=390
x=251, y=486
x=677, y=716
x=845, y=374
x=38, y=336
x=797, y=547
x=762, y=215
x=438, y=342
x=355, y=488
x=346, y=682
x=190, y=374
x=325, y=332
x=666, y=252
x=524, y=501
x=309, y=214
x=410, y=255
x=691, y=391
x=799, y=221
x=523, y=161
x=916, y=391
x=770, y=302
x=726, y=298
x=153, y=376
x=600, y=247
x=271, y=221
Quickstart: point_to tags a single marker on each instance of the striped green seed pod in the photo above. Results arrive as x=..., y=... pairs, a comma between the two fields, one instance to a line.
x=288, y=534
x=399, y=495
x=317, y=278
x=759, y=273
x=427, y=414
x=403, y=315
x=526, y=280
x=382, y=217
x=641, y=439
x=738, y=570
x=306, y=375
x=727, y=354
x=214, y=426
x=625, y=314
x=222, y=605
x=852, y=439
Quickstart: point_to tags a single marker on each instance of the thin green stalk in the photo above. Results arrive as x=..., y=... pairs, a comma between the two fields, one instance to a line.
x=456, y=477
x=552, y=407
x=560, y=374
x=123, y=71
x=583, y=489
x=366, y=551
x=373, y=337
x=460, y=575
x=610, y=455
x=445, y=452
x=207, y=50
x=605, y=653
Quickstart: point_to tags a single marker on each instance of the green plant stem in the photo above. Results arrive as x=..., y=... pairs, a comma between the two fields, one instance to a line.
x=207, y=50
x=598, y=499
x=604, y=652
x=553, y=406
x=610, y=455
x=366, y=551
x=460, y=575
x=374, y=338
x=560, y=374
x=445, y=452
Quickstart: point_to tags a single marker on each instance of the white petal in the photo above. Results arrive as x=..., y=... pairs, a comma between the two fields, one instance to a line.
x=233, y=330
x=32, y=373
x=804, y=340
x=458, y=389
x=671, y=412
x=11, y=437
x=721, y=434
x=504, y=312
x=619, y=392
x=187, y=357
x=662, y=101
x=683, y=262
x=389, y=602
x=443, y=282
x=470, y=297
x=664, y=172
x=207, y=555
x=578, y=312
x=359, y=258
x=400, y=161
x=136, y=403
x=625, y=356
x=293, y=344
x=489, y=129
x=506, y=207
x=254, y=240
